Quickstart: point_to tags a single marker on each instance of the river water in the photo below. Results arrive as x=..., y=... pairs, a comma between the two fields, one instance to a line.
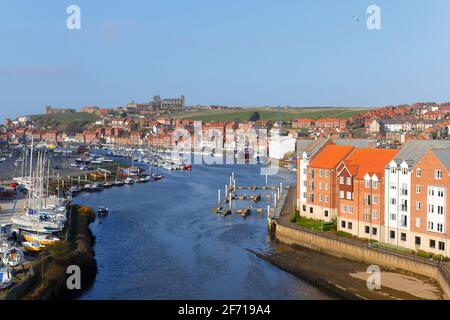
x=161, y=241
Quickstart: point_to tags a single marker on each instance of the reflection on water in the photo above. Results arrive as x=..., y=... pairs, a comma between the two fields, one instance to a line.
x=161, y=241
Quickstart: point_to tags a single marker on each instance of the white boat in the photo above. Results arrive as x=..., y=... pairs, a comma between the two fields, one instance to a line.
x=2, y=160
x=102, y=211
x=5, y=278
x=129, y=181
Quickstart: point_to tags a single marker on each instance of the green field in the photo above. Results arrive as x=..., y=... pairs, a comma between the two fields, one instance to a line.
x=269, y=114
x=68, y=122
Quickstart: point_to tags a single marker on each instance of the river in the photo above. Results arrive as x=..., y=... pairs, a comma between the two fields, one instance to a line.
x=161, y=241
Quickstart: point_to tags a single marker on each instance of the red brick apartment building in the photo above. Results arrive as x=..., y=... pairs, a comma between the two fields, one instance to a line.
x=360, y=183
x=321, y=195
x=399, y=197
x=430, y=214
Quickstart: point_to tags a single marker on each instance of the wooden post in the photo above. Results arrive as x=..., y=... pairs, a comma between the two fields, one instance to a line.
x=218, y=198
x=226, y=192
x=266, y=181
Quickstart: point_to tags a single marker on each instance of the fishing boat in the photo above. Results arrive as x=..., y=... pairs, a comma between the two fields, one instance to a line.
x=244, y=212
x=44, y=240
x=102, y=211
x=33, y=247
x=129, y=181
x=5, y=278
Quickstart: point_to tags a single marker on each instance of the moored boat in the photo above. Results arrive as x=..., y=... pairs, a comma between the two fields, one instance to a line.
x=33, y=247
x=102, y=211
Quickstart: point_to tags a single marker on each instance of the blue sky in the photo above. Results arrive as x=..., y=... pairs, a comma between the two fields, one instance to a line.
x=247, y=52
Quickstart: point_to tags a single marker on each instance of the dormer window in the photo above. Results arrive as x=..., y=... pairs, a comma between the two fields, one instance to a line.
x=404, y=171
x=393, y=169
x=418, y=172
x=438, y=174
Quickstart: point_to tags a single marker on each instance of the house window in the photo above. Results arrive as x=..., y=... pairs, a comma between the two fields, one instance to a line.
x=326, y=186
x=326, y=199
x=374, y=231
x=350, y=209
x=441, y=246
x=326, y=213
x=417, y=205
x=417, y=241
x=342, y=194
x=366, y=214
x=393, y=217
x=375, y=199
x=367, y=183
x=440, y=193
x=430, y=225
x=341, y=180
x=418, y=188
x=320, y=198
x=418, y=172
x=438, y=174
x=417, y=222
x=374, y=215
x=432, y=244
x=349, y=195
x=344, y=208
x=350, y=225
x=320, y=173
x=311, y=210
x=349, y=181
x=440, y=209
x=375, y=184
x=431, y=208
x=440, y=227
x=393, y=169
x=320, y=185
x=404, y=171
x=343, y=224
x=392, y=234
x=403, y=236
x=367, y=199
x=367, y=229
x=393, y=201
x=304, y=208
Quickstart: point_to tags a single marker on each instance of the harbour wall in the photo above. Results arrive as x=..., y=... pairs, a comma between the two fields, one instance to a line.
x=295, y=235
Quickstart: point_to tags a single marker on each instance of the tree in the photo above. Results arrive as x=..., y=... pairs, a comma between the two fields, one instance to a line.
x=255, y=116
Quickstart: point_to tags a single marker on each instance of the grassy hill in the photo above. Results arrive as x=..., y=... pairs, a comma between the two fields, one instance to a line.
x=70, y=122
x=270, y=114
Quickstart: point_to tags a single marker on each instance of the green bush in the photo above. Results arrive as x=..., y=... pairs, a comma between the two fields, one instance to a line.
x=439, y=257
x=424, y=254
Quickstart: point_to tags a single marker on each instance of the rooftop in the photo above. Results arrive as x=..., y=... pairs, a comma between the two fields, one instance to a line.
x=330, y=156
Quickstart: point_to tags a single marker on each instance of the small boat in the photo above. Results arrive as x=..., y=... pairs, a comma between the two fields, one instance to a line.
x=33, y=246
x=107, y=185
x=41, y=239
x=129, y=181
x=5, y=278
x=156, y=176
x=244, y=212
x=75, y=189
x=102, y=211
x=118, y=183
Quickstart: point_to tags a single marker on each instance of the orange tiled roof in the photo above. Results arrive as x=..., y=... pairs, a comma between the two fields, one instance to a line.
x=364, y=160
x=330, y=156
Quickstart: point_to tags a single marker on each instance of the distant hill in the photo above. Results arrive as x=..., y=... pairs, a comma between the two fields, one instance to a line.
x=69, y=122
x=245, y=114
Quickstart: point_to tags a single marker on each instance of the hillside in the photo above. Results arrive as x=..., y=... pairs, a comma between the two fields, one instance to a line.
x=269, y=113
x=70, y=123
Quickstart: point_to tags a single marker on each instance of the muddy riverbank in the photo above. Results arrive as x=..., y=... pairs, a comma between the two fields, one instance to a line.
x=347, y=279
